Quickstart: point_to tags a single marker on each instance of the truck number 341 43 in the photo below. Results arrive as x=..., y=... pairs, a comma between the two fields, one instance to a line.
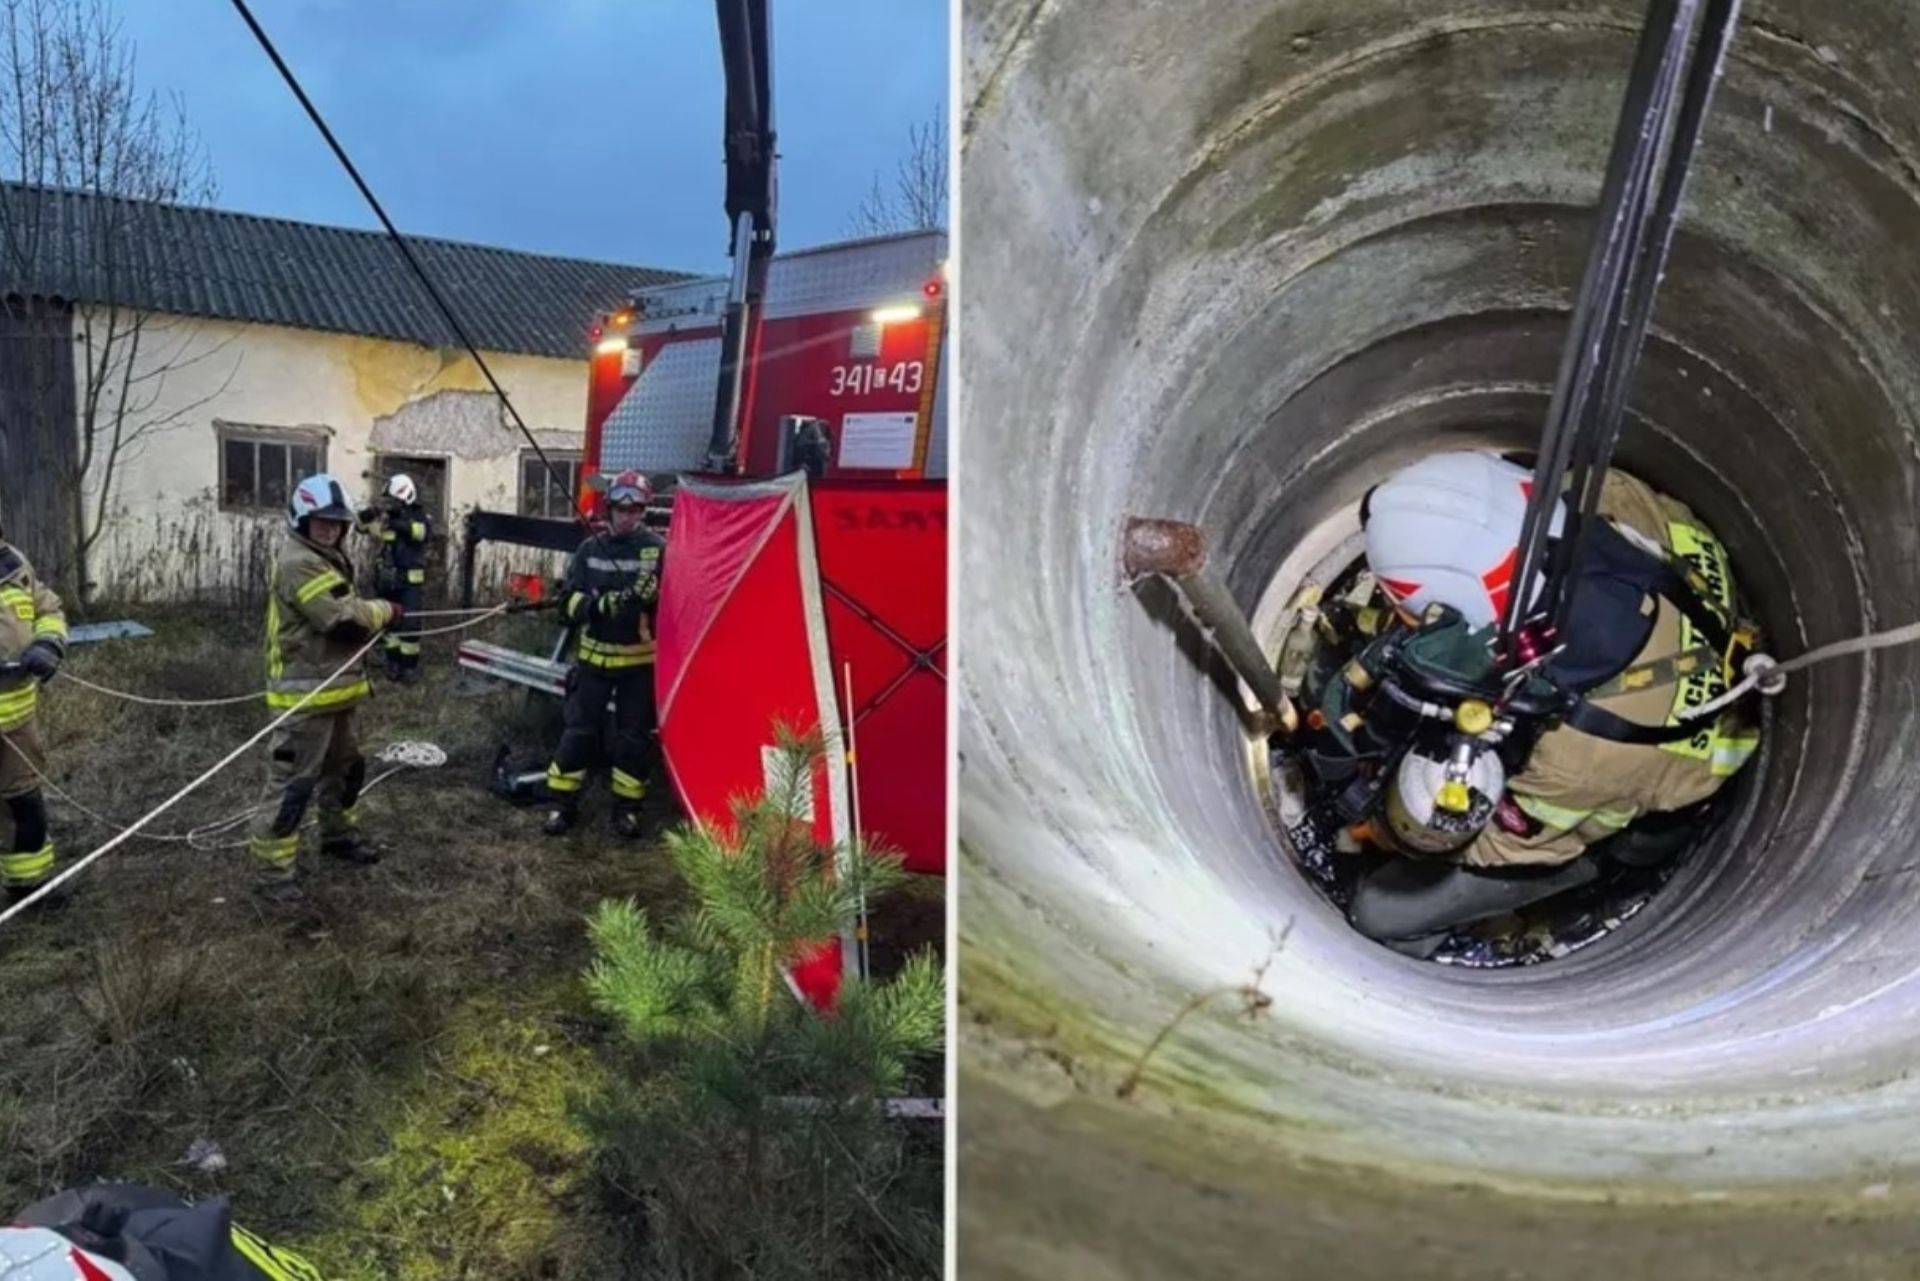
x=864, y=380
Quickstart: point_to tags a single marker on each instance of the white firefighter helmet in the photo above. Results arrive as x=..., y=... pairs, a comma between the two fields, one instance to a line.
x=1446, y=530
x=402, y=488
x=41, y=1254
x=321, y=496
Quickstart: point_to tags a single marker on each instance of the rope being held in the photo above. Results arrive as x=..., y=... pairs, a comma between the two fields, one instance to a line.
x=254, y=740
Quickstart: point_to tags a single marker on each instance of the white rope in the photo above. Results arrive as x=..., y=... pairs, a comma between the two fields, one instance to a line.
x=65, y=675
x=228, y=759
x=1769, y=675
x=182, y=794
x=142, y=699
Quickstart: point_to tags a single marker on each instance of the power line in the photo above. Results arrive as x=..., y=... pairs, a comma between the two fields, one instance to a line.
x=406, y=251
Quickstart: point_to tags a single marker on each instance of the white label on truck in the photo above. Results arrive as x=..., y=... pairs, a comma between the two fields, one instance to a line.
x=879, y=442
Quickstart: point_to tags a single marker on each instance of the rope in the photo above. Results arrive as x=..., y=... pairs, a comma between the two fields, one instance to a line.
x=258, y=694
x=134, y=828
x=1763, y=671
x=84, y=683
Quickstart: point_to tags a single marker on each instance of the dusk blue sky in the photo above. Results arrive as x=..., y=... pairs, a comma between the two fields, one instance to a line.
x=582, y=127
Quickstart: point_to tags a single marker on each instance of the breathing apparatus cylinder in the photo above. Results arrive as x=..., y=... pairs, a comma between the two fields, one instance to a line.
x=1437, y=804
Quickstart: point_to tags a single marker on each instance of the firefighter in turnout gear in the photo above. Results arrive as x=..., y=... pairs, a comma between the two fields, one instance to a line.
x=1653, y=632
x=400, y=576
x=611, y=592
x=33, y=640
x=315, y=623
x=128, y=1232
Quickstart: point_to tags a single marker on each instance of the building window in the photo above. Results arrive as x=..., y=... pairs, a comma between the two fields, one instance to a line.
x=540, y=494
x=259, y=466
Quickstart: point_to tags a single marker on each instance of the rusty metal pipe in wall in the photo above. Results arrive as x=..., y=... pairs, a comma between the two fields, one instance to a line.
x=1177, y=552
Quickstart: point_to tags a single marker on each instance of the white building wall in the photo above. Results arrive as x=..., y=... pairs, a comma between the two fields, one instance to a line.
x=166, y=536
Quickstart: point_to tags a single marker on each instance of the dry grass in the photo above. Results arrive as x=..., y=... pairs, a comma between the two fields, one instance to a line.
x=329, y=1057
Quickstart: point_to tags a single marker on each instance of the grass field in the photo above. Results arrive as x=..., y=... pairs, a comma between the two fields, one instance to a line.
x=389, y=1076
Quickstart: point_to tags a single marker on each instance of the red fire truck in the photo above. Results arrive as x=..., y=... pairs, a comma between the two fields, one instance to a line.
x=792, y=417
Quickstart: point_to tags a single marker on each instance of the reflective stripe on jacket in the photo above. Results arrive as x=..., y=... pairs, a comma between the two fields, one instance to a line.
x=29, y=612
x=1577, y=788
x=604, y=566
x=315, y=622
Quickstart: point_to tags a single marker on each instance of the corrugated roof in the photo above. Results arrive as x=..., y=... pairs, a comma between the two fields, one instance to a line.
x=233, y=266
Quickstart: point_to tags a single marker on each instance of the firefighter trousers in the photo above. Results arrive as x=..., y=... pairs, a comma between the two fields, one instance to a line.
x=311, y=758
x=26, y=860
x=628, y=731
x=403, y=638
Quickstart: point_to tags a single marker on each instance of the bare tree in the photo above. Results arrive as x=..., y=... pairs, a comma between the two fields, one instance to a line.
x=96, y=161
x=917, y=198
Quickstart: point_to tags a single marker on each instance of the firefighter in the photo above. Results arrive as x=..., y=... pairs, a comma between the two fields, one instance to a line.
x=127, y=1232
x=612, y=589
x=315, y=623
x=400, y=574
x=33, y=641
x=1649, y=636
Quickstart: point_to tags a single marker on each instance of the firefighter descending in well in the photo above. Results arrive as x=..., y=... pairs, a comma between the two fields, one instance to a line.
x=33, y=640
x=400, y=569
x=610, y=596
x=315, y=626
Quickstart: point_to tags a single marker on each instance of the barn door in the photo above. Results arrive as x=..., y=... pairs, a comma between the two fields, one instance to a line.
x=38, y=433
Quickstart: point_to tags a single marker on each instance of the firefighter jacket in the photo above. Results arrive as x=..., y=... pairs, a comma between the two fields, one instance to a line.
x=404, y=533
x=611, y=593
x=29, y=612
x=1577, y=788
x=314, y=625
x=156, y=1236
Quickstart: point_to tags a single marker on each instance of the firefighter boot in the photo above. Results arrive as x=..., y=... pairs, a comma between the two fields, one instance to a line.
x=561, y=817
x=626, y=820
x=279, y=888
x=351, y=847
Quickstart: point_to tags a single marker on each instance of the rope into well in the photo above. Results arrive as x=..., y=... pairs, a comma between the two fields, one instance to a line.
x=1767, y=674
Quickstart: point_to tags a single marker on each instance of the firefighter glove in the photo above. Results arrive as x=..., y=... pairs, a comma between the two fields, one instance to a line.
x=399, y=612
x=614, y=603
x=647, y=588
x=42, y=658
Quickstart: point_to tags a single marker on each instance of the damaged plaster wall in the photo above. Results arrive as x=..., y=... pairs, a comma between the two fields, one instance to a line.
x=168, y=536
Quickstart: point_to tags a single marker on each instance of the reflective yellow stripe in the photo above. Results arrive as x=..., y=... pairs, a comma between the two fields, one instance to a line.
x=17, y=706
x=559, y=780
x=627, y=787
x=29, y=868
x=319, y=585
x=419, y=532
x=276, y=663
x=276, y=851
x=616, y=662
x=1566, y=820
x=277, y=1263
x=333, y=696
x=387, y=536
x=416, y=575
x=50, y=625
x=20, y=602
x=1731, y=752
